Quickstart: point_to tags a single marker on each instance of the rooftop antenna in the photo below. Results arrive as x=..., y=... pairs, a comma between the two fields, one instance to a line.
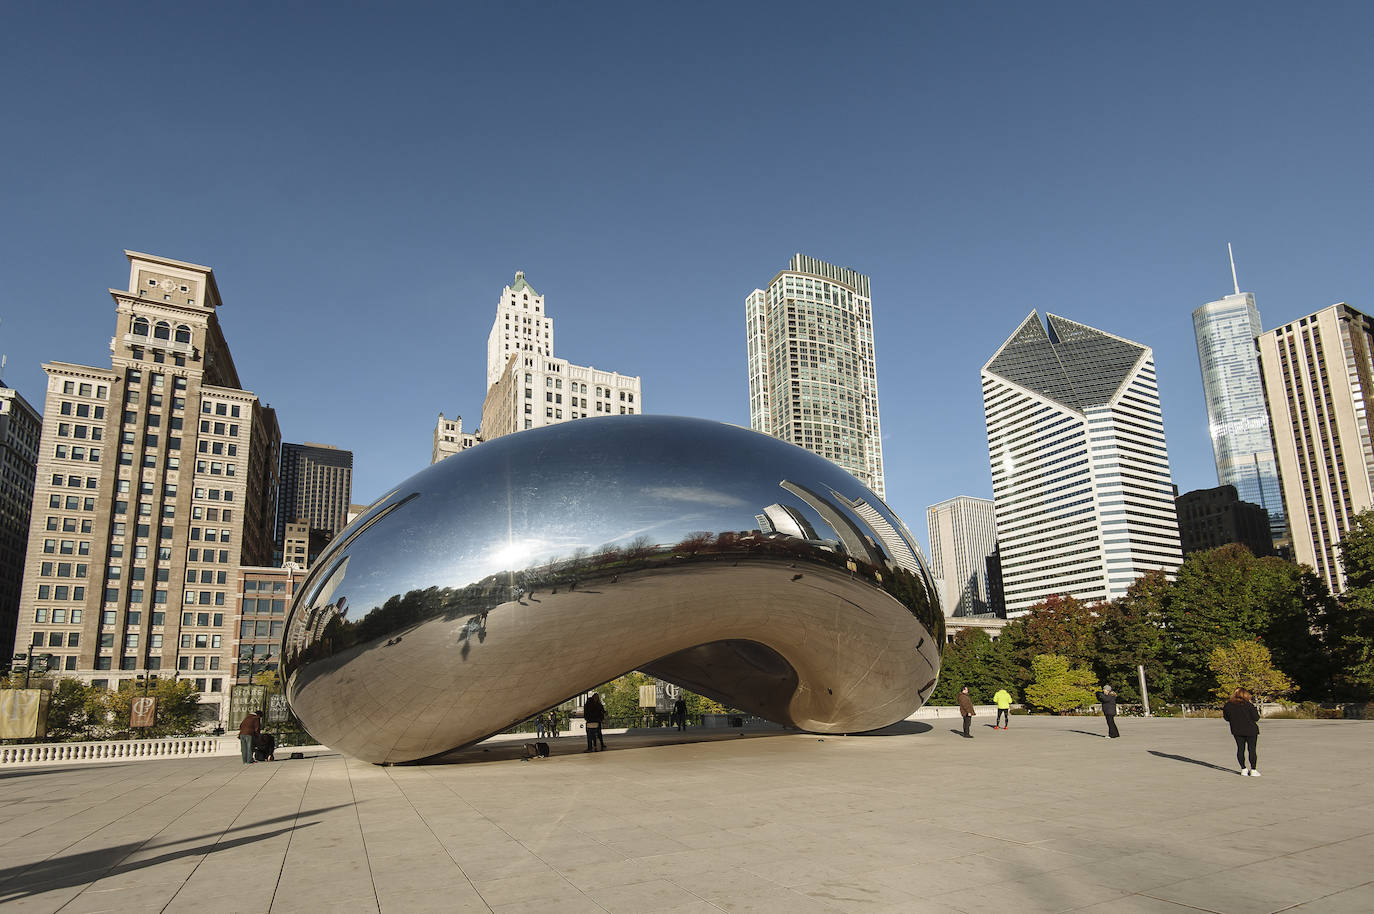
x=1234, y=281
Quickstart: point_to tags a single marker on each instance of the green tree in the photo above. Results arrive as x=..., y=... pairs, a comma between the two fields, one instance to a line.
x=621, y=696
x=1129, y=633
x=1247, y=665
x=75, y=710
x=968, y=661
x=1347, y=625
x=700, y=704
x=1219, y=596
x=1357, y=552
x=1061, y=625
x=178, y=708
x=1058, y=686
x=1298, y=607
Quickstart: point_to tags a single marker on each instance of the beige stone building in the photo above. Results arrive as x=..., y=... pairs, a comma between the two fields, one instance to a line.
x=536, y=387
x=261, y=597
x=449, y=438
x=1318, y=382
x=156, y=482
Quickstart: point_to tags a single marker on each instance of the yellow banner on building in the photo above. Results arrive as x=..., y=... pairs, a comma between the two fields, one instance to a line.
x=23, y=713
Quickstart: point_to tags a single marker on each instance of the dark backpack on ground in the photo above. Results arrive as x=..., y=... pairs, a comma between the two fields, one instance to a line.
x=264, y=744
x=536, y=750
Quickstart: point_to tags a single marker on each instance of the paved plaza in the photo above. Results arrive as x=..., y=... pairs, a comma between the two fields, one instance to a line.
x=1046, y=816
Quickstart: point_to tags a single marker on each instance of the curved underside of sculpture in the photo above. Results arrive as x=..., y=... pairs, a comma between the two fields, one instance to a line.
x=512, y=576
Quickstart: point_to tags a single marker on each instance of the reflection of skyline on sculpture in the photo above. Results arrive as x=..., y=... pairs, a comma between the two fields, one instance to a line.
x=835, y=513
x=658, y=553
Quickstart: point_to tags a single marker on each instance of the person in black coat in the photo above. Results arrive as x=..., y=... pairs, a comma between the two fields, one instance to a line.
x=1108, y=699
x=1241, y=713
x=594, y=712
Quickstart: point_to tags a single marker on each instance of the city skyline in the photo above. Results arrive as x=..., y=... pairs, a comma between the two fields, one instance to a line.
x=994, y=178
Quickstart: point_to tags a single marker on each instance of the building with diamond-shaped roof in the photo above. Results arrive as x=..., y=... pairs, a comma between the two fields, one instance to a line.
x=1080, y=470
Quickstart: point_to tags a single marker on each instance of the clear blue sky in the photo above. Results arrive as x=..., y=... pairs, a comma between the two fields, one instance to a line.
x=364, y=180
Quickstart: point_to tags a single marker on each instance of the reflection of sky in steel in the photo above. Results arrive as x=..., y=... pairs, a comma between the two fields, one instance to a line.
x=495, y=509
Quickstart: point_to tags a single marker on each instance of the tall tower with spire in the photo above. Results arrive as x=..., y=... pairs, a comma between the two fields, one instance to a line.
x=1226, y=331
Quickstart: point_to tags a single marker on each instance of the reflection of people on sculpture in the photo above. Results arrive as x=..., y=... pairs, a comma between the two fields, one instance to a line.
x=680, y=713
x=594, y=713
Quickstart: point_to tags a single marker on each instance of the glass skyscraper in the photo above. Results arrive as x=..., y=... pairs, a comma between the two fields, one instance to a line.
x=813, y=379
x=1236, y=413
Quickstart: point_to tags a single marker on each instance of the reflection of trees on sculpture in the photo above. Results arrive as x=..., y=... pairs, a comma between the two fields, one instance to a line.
x=401, y=612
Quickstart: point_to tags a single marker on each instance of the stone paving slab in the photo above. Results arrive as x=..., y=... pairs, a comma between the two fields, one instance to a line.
x=1048, y=816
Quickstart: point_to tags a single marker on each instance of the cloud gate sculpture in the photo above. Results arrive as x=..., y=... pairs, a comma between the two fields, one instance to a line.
x=515, y=575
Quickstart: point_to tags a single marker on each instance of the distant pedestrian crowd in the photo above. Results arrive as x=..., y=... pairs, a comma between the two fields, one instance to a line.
x=1239, y=711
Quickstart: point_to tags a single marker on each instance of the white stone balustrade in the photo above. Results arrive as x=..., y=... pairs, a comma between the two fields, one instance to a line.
x=117, y=750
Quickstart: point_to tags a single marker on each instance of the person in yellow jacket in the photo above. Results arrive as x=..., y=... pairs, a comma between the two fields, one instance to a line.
x=1003, y=702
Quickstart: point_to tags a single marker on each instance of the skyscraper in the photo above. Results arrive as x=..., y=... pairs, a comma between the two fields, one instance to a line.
x=20, y=429
x=157, y=475
x=1080, y=470
x=963, y=553
x=813, y=378
x=316, y=487
x=528, y=386
x=1226, y=331
x=1318, y=380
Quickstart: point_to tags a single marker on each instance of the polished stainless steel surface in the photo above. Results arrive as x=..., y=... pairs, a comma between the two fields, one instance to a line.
x=519, y=573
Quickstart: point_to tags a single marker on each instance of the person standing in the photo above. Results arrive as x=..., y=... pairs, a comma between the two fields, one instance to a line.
x=1108, y=699
x=966, y=710
x=680, y=713
x=539, y=727
x=248, y=729
x=1003, y=701
x=594, y=712
x=1241, y=713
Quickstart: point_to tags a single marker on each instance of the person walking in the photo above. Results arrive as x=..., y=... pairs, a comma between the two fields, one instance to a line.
x=1003, y=701
x=680, y=713
x=250, y=727
x=539, y=726
x=1241, y=713
x=966, y=710
x=594, y=712
x=1108, y=699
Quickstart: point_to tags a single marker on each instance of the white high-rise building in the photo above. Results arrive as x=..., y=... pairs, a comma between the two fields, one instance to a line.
x=963, y=551
x=528, y=387
x=1080, y=470
x=1319, y=379
x=813, y=379
x=1226, y=332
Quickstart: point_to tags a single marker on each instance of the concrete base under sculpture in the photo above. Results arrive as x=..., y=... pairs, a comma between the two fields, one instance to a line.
x=534, y=567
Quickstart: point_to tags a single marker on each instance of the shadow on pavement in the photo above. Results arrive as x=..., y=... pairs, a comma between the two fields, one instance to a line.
x=1191, y=761
x=900, y=728
x=1088, y=733
x=58, y=872
x=509, y=750
x=56, y=769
